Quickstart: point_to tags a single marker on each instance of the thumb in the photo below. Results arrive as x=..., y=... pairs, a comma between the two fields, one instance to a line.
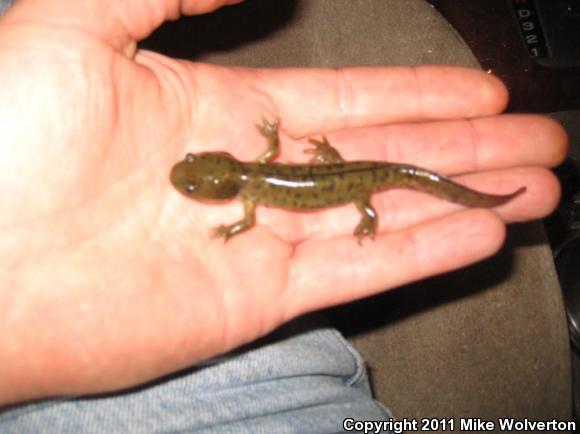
x=119, y=24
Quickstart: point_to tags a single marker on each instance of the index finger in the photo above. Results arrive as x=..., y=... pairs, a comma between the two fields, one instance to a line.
x=316, y=100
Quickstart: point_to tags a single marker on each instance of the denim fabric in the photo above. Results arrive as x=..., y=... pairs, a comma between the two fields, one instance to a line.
x=4, y=5
x=293, y=382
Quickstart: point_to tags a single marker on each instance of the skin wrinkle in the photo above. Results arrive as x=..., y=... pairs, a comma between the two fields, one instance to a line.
x=266, y=319
x=58, y=50
x=77, y=210
x=114, y=118
x=344, y=97
x=42, y=24
x=391, y=148
x=169, y=83
x=237, y=292
x=364, y=264
x=155, y=224
x=475, y=142
x=84, y=31
x=282, y=299
x=268, y=112
x=418, y=256
x=158, y=12
x=299, y=232
x=418, y=92
x=298, y=277
x=173, y=83
x=225, y=338
x=388, y=214
x=113, y=68
x=167, y=74
x=119, y=12
x=221, y=303
x=259, y=86
x=156, y=233
x=193, y=97
x=361, y=264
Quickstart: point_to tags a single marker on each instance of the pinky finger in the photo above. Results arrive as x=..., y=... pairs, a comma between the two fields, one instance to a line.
x=329, y=272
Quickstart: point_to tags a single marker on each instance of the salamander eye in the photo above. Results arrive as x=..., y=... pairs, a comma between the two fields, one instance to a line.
x=189, y=158
x=190, y=188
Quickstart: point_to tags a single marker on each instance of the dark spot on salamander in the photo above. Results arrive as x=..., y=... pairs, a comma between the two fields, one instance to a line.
x=328, y=187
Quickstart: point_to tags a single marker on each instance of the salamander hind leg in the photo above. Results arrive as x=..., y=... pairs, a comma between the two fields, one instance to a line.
x=270, y=131
x=228, y=231
x=323, y=153
x=367, y=226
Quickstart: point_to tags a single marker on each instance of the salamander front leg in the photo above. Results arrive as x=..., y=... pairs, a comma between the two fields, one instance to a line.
x=270, y=131
x=228, y=231
x=367, y=226
x=323, y=153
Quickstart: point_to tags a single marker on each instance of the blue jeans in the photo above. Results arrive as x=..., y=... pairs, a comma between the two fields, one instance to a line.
x=4, y=5
x=294, y=381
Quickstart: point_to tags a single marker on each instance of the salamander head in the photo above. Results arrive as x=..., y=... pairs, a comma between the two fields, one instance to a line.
x=210, y=175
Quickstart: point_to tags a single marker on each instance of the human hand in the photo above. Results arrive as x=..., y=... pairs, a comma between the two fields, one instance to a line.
x=109, y=277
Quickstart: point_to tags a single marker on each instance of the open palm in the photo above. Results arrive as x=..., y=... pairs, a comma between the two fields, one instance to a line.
x=109, y=277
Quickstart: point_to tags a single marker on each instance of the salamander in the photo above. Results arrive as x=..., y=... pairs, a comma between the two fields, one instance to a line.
x=326, y=181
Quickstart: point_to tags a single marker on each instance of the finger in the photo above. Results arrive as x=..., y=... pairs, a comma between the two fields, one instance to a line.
x=324, y=273
x=453, y=147
x=403, y=209
x=316, y=100
x=117, y=23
